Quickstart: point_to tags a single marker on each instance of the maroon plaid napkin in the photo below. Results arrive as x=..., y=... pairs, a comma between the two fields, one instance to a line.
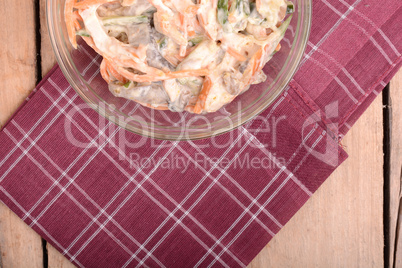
x=206, y=203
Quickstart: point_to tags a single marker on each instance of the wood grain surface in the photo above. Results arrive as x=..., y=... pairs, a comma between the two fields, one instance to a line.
x=340, y=226
x=19, y=245
x=395, y=206
x=48, y=59
x=17, y=54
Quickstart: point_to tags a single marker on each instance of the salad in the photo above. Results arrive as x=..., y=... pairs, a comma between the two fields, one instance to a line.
x=180, y=55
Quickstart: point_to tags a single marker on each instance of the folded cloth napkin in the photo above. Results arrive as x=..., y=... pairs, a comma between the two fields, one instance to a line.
x=203, y=203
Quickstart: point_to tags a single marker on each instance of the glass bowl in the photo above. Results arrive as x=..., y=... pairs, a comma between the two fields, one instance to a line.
x=81, y=68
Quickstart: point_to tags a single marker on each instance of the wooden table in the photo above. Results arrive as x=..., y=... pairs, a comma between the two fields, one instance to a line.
x=342, y=225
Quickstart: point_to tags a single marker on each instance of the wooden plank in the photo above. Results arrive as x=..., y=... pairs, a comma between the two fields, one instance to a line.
x=20, y=246
x=56, y=259
x=47, y=55
x=342, y=224
x=17, y=54
x=395, y=208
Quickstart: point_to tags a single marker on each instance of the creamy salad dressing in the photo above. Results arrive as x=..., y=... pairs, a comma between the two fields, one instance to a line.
x=181, y=55
x=272, y=11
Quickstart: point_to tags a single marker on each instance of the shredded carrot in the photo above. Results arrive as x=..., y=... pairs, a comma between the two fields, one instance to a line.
x=77, y=16
x=77, y=19
x=258, y=4
x=160, y=107
x=191, y=10
x=256, y=64
x=253, y=67
x=182, y=21
x=257, y=61
x=91, y=43
x=169, y=28
x=152, y=78
x=189, y=108
x=196, y=25
x=138, y=65
x=179, y=57
x=206, y=87
x=210, y=28
x=112, y=70
x=236, y=54
x=104, y=72
x=161, y=6
x=77, y=24
x=138, y=77
x=87, y=3
x=232, y=18
x=191, y=32
x=278, y=47
x=188, y=73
